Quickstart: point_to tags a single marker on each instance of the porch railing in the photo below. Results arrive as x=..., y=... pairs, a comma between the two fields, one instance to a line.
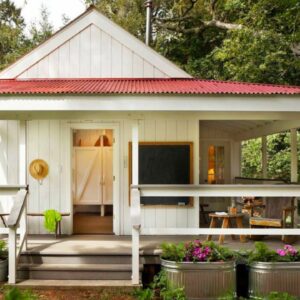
x=16, y=225
x=138, y=191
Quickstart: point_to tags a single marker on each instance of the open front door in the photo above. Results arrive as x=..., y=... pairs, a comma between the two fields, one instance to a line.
x=93, y=181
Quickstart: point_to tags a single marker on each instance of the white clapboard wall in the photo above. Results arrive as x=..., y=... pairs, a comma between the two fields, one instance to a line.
x=48, y=140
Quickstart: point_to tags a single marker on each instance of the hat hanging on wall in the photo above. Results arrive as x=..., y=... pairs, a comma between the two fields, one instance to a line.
x=39, y=169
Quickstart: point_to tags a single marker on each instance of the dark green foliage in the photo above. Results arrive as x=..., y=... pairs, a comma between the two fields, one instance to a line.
x=3, y=249
x=262, y=253
x=161, y=288
x=278, y=157
x=16, y=294
x=12, y=39
x=251, y=159
x=188, y=252
x=173, y=252
x=253, y=41
x=279, y=296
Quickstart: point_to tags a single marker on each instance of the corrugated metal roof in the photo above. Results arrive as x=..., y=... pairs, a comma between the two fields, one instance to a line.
x=139, y=86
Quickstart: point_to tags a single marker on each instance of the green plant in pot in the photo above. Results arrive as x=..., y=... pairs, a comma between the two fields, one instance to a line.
x=3, y=261
x=273, y=270
x=204, y=269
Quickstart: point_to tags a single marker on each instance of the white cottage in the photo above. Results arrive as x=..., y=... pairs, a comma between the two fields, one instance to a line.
x=84, y=99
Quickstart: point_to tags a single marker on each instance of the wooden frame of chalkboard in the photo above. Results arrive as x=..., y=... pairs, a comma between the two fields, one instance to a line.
x=181, y=153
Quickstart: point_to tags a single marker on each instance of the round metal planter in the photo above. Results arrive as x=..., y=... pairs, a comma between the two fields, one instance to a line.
x=266, y=277
x=205, y=280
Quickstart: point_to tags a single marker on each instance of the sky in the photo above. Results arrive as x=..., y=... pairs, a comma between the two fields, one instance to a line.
x=56, y=8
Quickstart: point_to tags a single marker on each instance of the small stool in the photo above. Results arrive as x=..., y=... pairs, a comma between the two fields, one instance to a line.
x=226, y=223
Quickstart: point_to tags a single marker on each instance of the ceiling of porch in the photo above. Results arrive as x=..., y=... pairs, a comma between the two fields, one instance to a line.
x=244, y=129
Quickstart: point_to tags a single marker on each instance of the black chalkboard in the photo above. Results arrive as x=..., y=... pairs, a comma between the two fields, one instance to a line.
x=165, y=163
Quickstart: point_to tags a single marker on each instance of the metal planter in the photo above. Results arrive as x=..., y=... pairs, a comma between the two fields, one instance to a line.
x=205, y=280
x=266, y=277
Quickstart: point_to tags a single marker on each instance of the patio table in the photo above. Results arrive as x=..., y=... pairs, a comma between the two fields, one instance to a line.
x=226, y=223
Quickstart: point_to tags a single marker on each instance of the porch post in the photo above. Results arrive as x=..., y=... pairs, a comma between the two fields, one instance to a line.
x=294, y=167
x=135, y=205
x=294, y=156
x=264, y=156
x=22, y=153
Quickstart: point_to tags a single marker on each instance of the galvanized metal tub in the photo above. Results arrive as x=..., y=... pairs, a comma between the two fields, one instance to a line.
x=266, y=277
x=203, y=280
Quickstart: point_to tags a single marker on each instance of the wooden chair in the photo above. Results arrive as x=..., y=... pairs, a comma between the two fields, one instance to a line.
x=278, y=213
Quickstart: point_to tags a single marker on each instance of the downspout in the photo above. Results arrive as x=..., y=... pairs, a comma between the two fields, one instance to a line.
x=148, y=5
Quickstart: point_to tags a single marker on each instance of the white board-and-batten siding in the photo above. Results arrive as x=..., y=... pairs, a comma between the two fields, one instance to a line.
x=50, y=140
x=9, y=160
x=163, y=130
x=93, y=53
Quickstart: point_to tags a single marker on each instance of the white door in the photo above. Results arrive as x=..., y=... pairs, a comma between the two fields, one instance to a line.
x=88, y=165
x=215, y=162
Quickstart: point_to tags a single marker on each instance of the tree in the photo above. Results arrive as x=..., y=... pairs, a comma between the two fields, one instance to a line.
x=42, y=30
x=12, y=39
x=244, y=40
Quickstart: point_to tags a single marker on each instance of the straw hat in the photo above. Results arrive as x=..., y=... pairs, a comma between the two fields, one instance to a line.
x=38, y=169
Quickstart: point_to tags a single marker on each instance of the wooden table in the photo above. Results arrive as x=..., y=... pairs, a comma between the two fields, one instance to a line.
x=226, y=223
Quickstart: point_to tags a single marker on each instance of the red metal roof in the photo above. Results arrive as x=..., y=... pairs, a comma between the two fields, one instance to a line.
x=139, y=86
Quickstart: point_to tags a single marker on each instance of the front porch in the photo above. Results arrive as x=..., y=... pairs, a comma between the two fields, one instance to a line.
x=70, y=255
x=121, y=245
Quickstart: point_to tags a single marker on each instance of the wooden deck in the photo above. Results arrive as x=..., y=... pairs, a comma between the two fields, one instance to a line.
x=104, y=244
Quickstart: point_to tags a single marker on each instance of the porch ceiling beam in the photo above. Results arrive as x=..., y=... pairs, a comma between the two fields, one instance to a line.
x=212, y=103
x=274, y=127
x=146, y=115
x=219, y=190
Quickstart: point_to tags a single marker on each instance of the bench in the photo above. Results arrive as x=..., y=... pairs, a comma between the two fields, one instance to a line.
x=58, y=224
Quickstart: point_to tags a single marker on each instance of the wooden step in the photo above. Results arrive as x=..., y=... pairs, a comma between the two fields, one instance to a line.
x=75, y=271
x=63, y=284
x=39, y=258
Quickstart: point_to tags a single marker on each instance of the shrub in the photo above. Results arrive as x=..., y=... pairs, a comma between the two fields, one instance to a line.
x=262, y=253
x=196, y=251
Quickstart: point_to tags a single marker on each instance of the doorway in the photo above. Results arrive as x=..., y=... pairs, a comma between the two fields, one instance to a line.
x=92, y=166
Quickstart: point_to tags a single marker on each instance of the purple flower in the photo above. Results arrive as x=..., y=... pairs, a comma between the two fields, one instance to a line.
x=290, y=250
x=280, y=252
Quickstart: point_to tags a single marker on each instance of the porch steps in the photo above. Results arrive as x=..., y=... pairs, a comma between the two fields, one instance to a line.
x=105, y=267
x=66, y=284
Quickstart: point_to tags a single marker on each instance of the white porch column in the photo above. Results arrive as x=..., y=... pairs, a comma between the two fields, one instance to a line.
x=135, y=205
x=294, y=167
x=264, y=156
x=22, y=153
x=294, y=156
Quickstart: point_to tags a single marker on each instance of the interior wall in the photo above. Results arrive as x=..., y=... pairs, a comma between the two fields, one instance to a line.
x=218, y=136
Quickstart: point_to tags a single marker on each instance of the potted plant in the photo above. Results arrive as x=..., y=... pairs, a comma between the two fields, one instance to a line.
x=205, y=270
x=3, y=261
x=273, y=270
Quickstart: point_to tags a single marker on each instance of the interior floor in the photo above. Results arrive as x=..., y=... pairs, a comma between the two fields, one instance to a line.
x=92, y=223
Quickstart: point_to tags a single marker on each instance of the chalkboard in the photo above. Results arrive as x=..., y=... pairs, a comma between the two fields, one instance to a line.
x=165, y=163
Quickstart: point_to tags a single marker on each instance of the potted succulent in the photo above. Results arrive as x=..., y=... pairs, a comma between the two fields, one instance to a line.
x=205, y=270
x=274, y=270
x=3, y=261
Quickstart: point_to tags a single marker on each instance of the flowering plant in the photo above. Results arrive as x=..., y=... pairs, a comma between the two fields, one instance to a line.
x=196, y=251
x=263, y=254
